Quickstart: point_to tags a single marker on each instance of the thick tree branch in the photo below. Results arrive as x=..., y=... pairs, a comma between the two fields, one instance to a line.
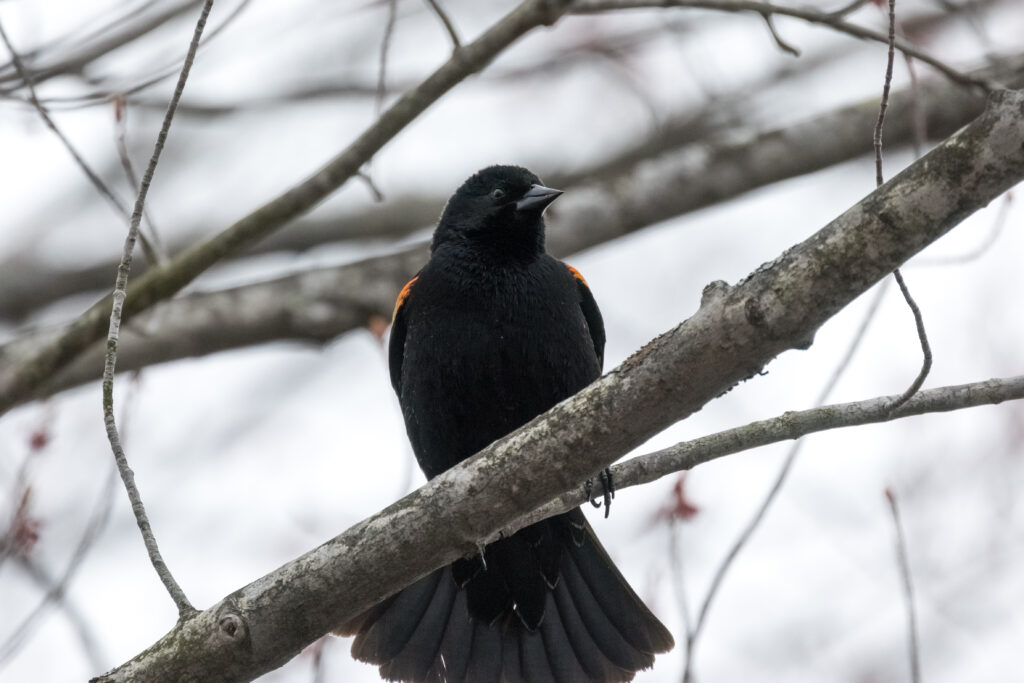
x=736, y=331
x=157, y=284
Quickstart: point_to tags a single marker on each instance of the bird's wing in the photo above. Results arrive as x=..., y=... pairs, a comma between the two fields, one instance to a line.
x=396, y=346
x=591, y=313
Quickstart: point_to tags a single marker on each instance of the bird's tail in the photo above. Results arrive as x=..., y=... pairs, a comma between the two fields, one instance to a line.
x=592, y=626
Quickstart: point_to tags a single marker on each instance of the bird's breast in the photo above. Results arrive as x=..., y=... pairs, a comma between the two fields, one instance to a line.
x=482, y=361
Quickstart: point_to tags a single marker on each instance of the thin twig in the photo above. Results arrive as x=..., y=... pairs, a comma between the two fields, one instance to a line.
x=783, y=45
x=926, y=350
x=33, y=99
x=773, y=492
x=919, y=122
x=811, y=16
x=448, y=25
x=886, y=86
x=922, y=335
x=994, y=232
x=177, y=594
x=676, y=560
x=908, y=588
x=150, y=245
x=849, y=8
x=318, y=658
x=385, y=47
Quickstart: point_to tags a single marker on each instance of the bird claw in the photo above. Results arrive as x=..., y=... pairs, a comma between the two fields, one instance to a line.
x=608, y=486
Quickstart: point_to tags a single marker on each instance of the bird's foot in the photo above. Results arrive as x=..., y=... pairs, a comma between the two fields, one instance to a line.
x=608, y=487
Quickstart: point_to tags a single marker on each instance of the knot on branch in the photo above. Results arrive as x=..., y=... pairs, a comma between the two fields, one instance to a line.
x=754, y=312
x=232, y=630
x=713, y=291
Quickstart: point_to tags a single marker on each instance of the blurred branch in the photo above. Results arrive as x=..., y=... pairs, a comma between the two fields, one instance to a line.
x=312, y=306
x=439, y=12
x=833, y=20
x=115, y=35
x=157, y=284
x=56, y=588
x=327, y=302
x=562, y=60
x=703, y=171
x=118, y=34
x=778, y=307
x=382, y=62
x=559, y=61
x=150, y=246
x=97, y=182
x=908, y=588
x=55, y=595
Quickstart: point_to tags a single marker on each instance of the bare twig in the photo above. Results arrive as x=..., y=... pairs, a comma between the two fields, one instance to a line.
x=435, y=5
x=926, y=350
x=385, y=47
x=150, y=243
x=783, y=45
x=317, y=649
x=922, y=335
x=120, y=286
x=917, y=113
x=97, y=182
x=908, y=588
x=812, y=16
x=157, y=284
x=105, y=39
x=886, y=86
x=849, y=8
x=990, y=239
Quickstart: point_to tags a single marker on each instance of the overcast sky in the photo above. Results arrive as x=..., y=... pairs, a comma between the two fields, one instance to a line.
x=248, y=458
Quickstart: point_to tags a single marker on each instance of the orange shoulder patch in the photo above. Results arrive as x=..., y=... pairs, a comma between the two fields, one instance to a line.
x=576, y=274
x=402, y=296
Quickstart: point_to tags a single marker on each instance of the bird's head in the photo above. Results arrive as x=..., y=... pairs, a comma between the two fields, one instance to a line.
x=499, y=207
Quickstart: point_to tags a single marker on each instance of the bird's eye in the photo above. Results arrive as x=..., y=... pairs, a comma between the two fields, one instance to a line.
x=497, y=193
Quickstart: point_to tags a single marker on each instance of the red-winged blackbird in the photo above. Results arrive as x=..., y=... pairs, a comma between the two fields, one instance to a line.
x=492, y=332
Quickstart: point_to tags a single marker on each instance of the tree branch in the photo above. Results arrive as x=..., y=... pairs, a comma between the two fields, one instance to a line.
x=736, y=331
x=157, y=284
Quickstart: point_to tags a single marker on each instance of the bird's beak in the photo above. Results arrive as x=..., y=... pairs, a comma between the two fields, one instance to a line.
x=537, y=198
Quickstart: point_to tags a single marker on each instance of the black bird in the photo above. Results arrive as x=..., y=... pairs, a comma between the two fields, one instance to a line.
x=492, y=332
